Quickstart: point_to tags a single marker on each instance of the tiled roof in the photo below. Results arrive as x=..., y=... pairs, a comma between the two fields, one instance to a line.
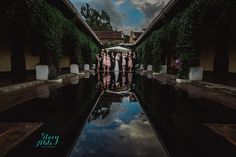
x=137, y=34
x=109, y=35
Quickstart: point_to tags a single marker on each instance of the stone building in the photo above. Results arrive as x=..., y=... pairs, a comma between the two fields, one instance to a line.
x=134, y=36
x=113, y=38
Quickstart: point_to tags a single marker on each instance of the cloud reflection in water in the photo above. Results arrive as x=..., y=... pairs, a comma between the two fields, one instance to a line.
x=125, y=131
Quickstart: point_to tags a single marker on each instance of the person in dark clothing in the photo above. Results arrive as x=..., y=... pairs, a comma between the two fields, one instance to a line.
x=112, y=61
x=126, y=59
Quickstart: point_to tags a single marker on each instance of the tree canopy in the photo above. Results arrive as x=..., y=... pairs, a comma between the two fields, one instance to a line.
x=97, y=20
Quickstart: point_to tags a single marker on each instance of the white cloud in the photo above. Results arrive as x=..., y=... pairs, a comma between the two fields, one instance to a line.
x=150, y=8
x=120, y=2
x=114, y=110
x=116, y=16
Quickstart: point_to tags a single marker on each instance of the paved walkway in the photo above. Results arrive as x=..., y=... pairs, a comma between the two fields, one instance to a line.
x=15, y=95
x=11, y=134
x=224, y=95
x=6, y=81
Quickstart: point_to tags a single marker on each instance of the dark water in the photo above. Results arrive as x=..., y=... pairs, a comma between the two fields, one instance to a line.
x=63, y=113
x=119, y=125
x=182, y=119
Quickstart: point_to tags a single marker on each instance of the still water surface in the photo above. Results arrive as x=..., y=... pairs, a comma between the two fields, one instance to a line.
x=100, y=116
x=118, y=127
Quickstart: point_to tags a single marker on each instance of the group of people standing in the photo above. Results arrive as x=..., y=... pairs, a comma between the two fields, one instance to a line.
x=115, y=61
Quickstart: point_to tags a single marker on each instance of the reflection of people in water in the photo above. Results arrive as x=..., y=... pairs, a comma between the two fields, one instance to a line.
x=114, y=81
x=124, y=55
x=106, y=80
x=130, y=76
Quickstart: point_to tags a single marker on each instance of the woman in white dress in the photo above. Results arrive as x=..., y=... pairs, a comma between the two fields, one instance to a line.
x=123, y=61
x=117, y=62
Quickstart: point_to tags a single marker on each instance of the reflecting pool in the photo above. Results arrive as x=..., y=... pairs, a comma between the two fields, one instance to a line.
x=118, y=127
x=123, y=114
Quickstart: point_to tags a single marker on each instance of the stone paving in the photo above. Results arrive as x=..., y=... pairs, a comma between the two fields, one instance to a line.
x=11, y=134
x=14, y=87
x=17, y=94
x=222, y=94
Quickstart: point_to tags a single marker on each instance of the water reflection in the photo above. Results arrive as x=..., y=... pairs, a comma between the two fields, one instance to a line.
x=116, y=82
x=62, y=111
x=117, y=125
x=181, y=121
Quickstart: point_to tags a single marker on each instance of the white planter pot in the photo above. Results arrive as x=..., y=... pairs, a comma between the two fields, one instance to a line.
x=42, y=72
x=94, y=67
x=86, y=67
x=74, y=69
x=149, y=68
x=141, y=67
x=183, y=80
x=196, y=74
x=163, y=69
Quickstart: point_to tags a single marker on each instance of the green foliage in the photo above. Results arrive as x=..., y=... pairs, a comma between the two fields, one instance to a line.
x=180, y=34
x=89, y=49
x=96, y=20
x=47, y=23
x=147, y=56
x=158, y=50
x=55, y=33
x=144, y=52
x=151, y=51
x=190, y=21
x=140, y=51
x=94, y=50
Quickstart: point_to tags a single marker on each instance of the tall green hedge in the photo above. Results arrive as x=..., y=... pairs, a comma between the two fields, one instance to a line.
x=55, y=33
x=180, y=33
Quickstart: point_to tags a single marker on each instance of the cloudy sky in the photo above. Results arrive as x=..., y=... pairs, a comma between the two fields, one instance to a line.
x=127, y=15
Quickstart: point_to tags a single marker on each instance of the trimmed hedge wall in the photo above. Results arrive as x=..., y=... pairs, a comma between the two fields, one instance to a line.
x=55, y=33
x=180, y=34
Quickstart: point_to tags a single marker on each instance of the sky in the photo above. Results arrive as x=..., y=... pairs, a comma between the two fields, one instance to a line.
x=127, y=15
